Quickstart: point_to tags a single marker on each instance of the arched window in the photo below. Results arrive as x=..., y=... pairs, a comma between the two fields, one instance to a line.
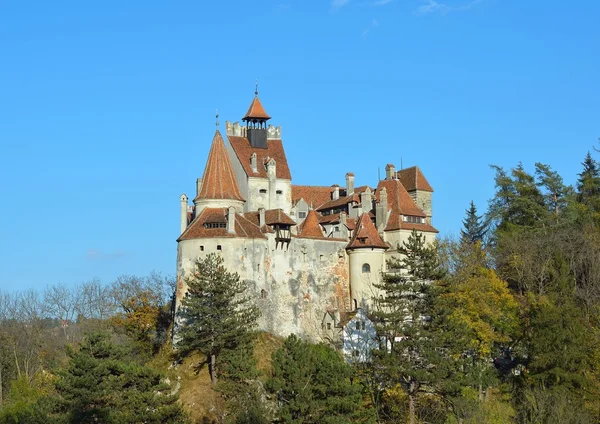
x=366, y=268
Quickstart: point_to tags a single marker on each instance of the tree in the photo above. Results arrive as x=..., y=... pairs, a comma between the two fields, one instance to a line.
x=104, y=383
x=410, y=354
x=313, y=384
x=588, y=183
x=473, y=228
x=217, y=314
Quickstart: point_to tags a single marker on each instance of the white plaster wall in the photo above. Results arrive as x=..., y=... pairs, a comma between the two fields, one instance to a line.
x=283, y=200
x=255, y=199
x=300, y=283
x=363, y=290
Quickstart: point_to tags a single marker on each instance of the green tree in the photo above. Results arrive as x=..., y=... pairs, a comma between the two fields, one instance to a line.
x=313, y=384
x=216, y=313
x=103, y=383
x=474, y=229
x=588, y=183
x=410, y=354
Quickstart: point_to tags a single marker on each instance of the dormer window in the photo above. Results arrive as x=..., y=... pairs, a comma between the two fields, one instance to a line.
x=413, y=219
x=215, y=225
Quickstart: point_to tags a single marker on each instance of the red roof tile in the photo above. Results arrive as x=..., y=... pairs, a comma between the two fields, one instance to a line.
x=413, y=179
x=243, y=150
x=256, y=111
x=315, y=196
x=366, y=235
x=351, y=223
x=310, y=227
x=277, y=216
x=329, y=219
x=339, y=202
x=219, y=180
x=400, y=203
x=243, y=227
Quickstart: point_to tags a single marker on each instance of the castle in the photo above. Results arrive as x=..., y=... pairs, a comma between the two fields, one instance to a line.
x=309, y=254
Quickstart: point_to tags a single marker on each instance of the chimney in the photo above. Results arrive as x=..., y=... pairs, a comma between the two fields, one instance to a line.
x=184, y=212
x=253, y=163
x=343, y=218
x=198, y=186
x=383, y=198
x=349, y=183
x=366, y=201
x=390, y=171
x=336, y=192
x=381, y=208
x=231, y=220
x=261, y=217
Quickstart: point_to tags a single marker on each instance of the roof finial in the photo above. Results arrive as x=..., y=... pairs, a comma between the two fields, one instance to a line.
x=217, y=116
x=256, y=91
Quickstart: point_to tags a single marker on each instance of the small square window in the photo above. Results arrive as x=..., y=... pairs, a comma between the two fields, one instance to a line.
x=219, y=247
x=202, y=248
x=301, y=214
x=329, y=326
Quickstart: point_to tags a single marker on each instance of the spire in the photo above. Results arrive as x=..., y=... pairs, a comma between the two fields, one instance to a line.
x=219, y=180
x=256, y=112
x=366, y=235
x=310, y=227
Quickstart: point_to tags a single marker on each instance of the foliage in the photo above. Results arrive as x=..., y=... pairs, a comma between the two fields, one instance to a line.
x=313, y=384
x=474, y=229
x=103, y=383
x=216, y=313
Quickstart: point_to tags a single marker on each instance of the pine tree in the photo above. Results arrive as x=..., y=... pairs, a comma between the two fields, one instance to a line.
x=313, y=384
x=410, y=353
x=103, y=383
x=588, y=183
x=474, y=228
x=216, y=313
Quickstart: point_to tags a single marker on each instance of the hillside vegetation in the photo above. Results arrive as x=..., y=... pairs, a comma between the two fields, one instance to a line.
x=498, y=326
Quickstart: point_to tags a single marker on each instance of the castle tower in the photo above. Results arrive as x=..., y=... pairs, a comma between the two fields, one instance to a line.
x=256, y=123
x=219, y=188
x=366, y=252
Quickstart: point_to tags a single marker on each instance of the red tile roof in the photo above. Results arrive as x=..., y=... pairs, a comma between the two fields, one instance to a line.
x=243, y=227
x=219, y=180
x=366, y=235
x=400, y=203
x=243, y=150
x=413, y=179
x=334, y=218
x=256, y=111
x=339, y=202
x=310, y=227
x=277, y=216
x=315, y=196
x=351, y=223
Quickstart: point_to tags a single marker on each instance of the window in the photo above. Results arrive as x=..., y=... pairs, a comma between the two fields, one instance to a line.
x=337, y=229
x=202, y=248
x=355, y=353
x=263, y=294
x=329, y=326
x=219, y=247
x=413, y=219
x=366, y=268
x=301, y=214
x=358, y=325
x=278, y=192
x=263, y=191
x=364, y=325
x=215, y=225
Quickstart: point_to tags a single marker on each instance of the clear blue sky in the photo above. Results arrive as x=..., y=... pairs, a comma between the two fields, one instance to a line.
x=107, y=109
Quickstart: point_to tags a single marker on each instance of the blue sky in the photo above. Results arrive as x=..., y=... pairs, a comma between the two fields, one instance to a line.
x=107, y=109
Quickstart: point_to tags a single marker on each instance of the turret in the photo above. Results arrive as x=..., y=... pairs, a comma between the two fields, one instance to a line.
x=183, y=199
